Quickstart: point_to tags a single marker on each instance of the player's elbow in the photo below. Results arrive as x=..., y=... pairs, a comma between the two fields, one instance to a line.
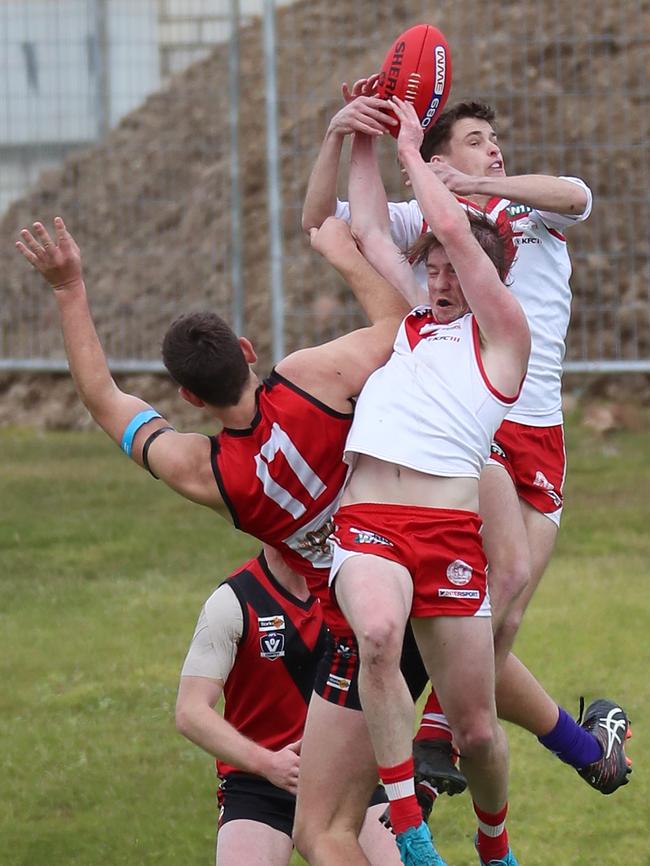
x=452, y=230
x=368, y=238
x=185, y=717
x=577, y=199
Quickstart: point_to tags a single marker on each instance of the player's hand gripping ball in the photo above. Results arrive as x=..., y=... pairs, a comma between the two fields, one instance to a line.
x=417, y=68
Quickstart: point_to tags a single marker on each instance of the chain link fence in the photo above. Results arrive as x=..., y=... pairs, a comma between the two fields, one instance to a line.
x=176, y=138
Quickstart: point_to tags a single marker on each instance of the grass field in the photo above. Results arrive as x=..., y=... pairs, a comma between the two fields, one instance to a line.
x=102, y=573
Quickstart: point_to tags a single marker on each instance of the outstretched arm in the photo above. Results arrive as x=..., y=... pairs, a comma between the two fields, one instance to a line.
x=361, y=113
x=184, y=463
x=555, y=195
x=370, y=222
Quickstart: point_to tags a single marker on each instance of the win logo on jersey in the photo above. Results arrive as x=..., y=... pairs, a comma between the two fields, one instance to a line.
x=514, y=211
x=365, y=536
x=272, y=646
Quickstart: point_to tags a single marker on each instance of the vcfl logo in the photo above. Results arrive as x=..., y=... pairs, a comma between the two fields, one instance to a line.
x=272, y=646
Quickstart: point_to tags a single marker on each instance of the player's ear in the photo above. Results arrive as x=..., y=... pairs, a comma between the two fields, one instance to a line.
x=248, y=350
x=437, y=158
x=190, y=398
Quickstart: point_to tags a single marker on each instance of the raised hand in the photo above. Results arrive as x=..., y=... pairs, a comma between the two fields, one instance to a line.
x=58, y=261
x=362, y=87
x=456, y=181
x=410, y=132
x=363, y=111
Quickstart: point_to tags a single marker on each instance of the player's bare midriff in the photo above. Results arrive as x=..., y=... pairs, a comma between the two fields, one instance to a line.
x=374, y=480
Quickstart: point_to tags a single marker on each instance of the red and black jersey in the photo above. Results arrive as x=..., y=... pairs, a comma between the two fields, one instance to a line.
x=268, y=689
x=281, y=478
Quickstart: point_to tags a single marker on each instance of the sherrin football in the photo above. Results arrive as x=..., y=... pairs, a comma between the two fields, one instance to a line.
x=417, y=68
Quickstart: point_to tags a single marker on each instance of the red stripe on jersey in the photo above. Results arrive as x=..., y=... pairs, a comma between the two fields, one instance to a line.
x=414, y=323
x=479, y=361
x=556, y=234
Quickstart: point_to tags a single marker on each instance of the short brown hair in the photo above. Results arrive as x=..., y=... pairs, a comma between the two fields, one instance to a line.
x=438, y=136
x=496, y=243
x=202, y=353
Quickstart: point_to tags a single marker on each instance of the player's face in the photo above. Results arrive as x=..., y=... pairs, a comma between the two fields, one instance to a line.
x=473, y=148
x=445, y=294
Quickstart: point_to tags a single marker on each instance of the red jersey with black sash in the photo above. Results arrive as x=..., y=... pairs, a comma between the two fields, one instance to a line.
x=282, y=477
x=268, y=689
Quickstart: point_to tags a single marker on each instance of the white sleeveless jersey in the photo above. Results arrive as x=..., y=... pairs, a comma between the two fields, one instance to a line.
x=431, y=406
x=539, y=279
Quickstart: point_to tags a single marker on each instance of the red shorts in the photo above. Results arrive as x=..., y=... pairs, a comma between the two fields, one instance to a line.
x=535, y=459
x=440, y=547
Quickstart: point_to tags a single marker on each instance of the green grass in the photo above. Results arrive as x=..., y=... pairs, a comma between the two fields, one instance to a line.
x=102, y=573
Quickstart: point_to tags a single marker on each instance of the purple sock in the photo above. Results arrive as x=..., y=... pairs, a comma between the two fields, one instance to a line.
x=571, y=743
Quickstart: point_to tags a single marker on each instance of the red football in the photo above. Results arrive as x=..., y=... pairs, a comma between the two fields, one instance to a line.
x=417, y=68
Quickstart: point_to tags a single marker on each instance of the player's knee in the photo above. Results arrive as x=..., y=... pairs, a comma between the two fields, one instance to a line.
x=380, y=641
x=302, y=838
x=509, y=580
x=477, y=737
x=507, y=631
x=317, y=844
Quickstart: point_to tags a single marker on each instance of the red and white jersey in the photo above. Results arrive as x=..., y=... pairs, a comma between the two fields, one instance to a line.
x=281, y=478
x=431, y=407
x=539, y=279
x=279, y=642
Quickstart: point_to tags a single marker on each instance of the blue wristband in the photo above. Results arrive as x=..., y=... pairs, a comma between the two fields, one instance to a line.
x=134, y=425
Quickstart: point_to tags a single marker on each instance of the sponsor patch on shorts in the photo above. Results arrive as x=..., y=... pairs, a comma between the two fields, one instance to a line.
x=341, y=683
x=459, y=572
x=365, y=536
x=458, y=593
x=495, y=448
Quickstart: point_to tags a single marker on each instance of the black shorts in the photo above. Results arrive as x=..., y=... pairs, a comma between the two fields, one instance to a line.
x=337, y=674
x=253, y=798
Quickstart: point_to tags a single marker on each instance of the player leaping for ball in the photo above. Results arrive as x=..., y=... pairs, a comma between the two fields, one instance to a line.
x=407, y=538
x=520, y=506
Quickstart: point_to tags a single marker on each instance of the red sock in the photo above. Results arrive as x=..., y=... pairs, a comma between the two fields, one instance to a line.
x=492, y=839
x=434, y=724
x=400, y=787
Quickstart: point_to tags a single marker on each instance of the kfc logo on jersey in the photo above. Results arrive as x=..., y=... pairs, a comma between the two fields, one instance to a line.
x=270, y=623
x=272, y=646
x=459, y=573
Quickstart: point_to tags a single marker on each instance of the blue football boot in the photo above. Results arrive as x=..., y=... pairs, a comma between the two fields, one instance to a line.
x=416, y=847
